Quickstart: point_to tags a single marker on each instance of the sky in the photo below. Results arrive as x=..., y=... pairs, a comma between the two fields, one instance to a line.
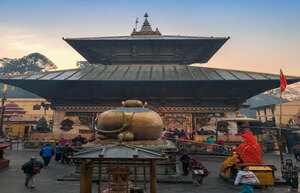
x=264, y=35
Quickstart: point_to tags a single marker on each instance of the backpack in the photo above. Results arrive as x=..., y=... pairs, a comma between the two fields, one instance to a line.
x=36, y=168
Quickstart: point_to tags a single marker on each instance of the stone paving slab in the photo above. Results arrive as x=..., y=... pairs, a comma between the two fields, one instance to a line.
x=12, y=179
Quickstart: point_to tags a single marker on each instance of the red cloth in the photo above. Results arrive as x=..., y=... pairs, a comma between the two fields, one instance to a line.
x=283, y=82
x=250, y=151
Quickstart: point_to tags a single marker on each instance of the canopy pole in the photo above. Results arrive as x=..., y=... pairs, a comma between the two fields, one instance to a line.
x=152, y=176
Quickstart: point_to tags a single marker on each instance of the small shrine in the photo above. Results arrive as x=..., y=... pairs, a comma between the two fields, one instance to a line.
x=14, y=123
x=121, y=168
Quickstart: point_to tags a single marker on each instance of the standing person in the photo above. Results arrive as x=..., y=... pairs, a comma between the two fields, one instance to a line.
x=296, y=151
x=62, y=142
x=182, y=134
x=247, y=179
x=222, y=148
x=290, y=174
x=176, y=133
x=46, y=153
x=31, y=168
x=171, y=135
x=209, y=146
x=79, y=140
x=194, y=133
x=58, y=152
x=66, y=151
x=199, y=171
x=185, y=159
x=163, y=132
x=210, y=140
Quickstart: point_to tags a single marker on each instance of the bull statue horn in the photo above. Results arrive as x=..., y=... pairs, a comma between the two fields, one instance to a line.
x=145, y=104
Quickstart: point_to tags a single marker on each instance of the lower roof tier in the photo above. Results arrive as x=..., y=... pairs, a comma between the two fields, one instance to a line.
x=158, y=85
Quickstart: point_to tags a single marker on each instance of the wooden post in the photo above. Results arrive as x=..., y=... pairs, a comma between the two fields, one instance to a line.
x=135, y=175
x=152, y=176
x=86, y=178
x=99, y=176
x=145, y=180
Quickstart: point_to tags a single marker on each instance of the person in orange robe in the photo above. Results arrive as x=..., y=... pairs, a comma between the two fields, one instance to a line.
x=250, y=151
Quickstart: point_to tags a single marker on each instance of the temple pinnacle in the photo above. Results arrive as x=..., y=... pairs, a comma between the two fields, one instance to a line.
x=146, y=15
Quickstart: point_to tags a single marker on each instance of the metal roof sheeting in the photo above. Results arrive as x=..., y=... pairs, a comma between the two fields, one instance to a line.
x=119, y=151
x=166, y=37
x=148, y=73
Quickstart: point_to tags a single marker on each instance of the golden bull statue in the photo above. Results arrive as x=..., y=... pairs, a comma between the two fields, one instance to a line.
x=131, y=122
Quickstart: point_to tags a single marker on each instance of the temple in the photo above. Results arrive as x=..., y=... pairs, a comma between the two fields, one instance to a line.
x=150, y=67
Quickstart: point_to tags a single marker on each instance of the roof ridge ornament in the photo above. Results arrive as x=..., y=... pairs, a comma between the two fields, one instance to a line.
x=146, y=29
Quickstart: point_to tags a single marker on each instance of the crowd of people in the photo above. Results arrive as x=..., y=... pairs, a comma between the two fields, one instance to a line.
x=181, y=134
x=64, y=148
x=61, y=150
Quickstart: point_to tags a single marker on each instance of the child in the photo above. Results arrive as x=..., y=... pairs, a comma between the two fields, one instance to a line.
x=247, y=179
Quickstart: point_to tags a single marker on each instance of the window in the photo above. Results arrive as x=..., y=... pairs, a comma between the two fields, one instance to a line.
x=266, y=116
x=36, y=107
x=258, y=114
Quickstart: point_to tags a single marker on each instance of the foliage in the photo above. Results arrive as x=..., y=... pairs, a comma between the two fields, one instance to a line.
x=34, y=62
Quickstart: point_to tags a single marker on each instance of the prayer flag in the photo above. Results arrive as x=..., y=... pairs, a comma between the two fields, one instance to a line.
x=283, y=83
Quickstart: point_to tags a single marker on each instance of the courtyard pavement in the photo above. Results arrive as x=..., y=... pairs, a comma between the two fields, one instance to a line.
x=12, y=178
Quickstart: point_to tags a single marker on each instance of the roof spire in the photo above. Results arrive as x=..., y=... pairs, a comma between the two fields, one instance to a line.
x=146, y=15
x=146, y=29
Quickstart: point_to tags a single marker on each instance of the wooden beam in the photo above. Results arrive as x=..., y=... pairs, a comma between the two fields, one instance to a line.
x=153, y=176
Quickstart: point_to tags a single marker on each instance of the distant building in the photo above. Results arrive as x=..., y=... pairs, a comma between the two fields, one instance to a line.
x=14, y=123
x=33, y=108
x=290, y=113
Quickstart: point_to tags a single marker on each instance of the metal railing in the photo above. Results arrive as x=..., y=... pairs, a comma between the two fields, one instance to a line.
x=195, y=147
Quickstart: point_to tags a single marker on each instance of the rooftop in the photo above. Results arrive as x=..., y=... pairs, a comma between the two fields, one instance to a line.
x=147, y=47
x=147, y=73
x=119, y=151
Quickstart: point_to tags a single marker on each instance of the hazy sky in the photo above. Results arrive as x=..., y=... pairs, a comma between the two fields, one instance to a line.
x=265, y=35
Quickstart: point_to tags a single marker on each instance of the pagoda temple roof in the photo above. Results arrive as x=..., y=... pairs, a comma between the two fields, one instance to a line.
x=12, y=108
x=167, y=85
x=16, y=118
x=147, y=47
x=146, y=73
x=163, y=37
x=160, y=50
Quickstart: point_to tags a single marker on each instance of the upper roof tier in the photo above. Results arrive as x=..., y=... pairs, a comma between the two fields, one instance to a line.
x=147, y=47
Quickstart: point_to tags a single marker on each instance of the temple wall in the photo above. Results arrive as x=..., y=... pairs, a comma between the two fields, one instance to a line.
x=77, y=127
x=186, y=118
